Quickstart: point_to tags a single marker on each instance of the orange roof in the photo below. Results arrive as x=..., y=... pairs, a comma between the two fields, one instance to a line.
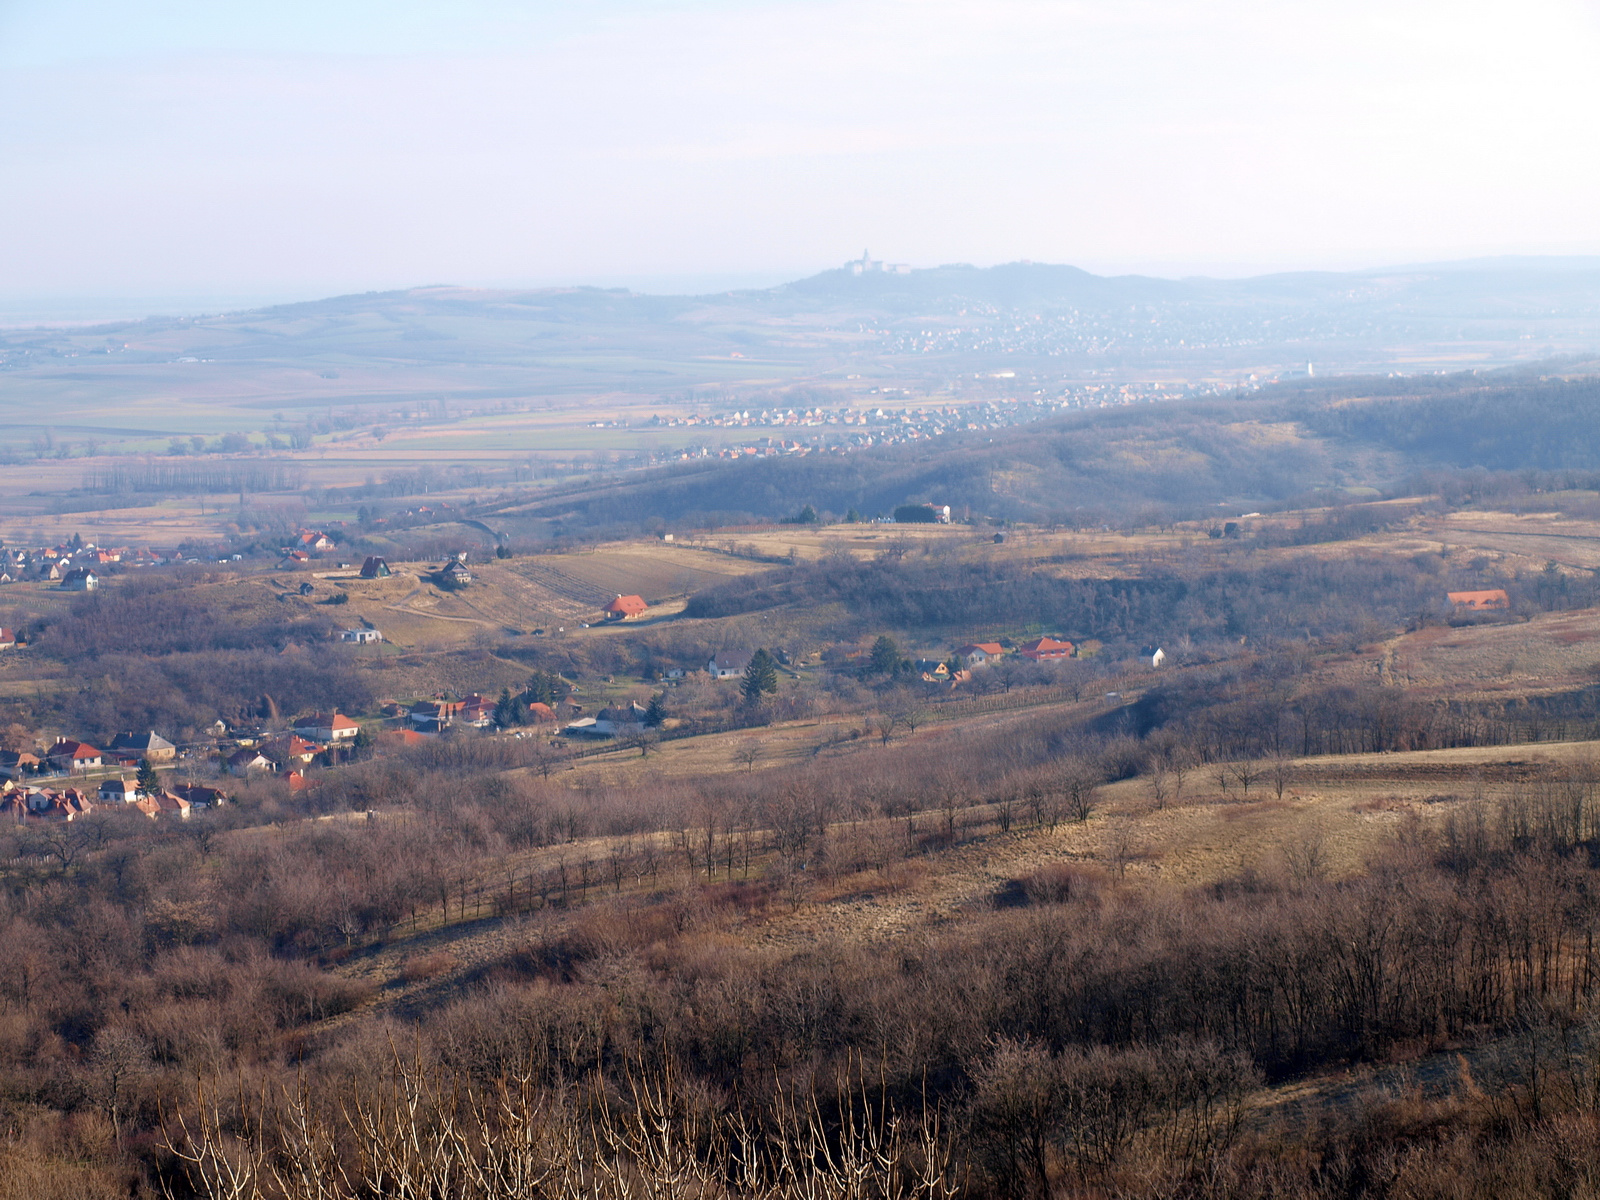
x=540, y=711
x=1046, y=647
x=629, y=606
x=987, y=647
x=327, y=721
x=1493, y=598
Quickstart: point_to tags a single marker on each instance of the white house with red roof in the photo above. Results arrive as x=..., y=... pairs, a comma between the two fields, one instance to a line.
x=69, y=755
x=329, y=728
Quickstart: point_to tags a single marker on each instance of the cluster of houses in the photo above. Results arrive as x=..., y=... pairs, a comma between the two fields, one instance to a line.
x=76, y=567
x=35, y=804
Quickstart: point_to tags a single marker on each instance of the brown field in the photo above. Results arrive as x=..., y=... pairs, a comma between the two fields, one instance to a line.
x=1549, y=653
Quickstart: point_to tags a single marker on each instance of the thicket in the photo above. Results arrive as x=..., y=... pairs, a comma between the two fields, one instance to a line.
x=1084, y=1034
x=1308, y=598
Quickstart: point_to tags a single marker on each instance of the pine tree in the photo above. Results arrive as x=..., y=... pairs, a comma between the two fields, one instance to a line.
x=148, y=782
x=657, y=712
x=853, y=516
x=885, y=656
x=505, y=710
x=760, y=676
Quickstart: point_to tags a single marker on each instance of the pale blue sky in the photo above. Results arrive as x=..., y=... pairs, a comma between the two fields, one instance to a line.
x=239, y=149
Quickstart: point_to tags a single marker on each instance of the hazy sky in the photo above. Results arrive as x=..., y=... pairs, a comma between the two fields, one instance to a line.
x=297, y=147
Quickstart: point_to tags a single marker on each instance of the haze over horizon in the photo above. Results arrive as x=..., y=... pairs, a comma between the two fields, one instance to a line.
x=221, y=151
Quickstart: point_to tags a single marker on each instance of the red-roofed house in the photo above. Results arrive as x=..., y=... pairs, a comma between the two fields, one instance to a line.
x=1046, y=649
x=68, y=755
x=979, y=654
x=541, y=713
x=327, y=727
x=625, y=608
x=402, y=737
x=160, y=804
x=1481, y=601
x=289, y=750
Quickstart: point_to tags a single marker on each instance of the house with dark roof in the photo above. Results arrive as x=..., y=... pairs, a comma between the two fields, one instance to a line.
x=199, y=796
x=149, y=745
x=80, y=579
x=375, y=568
x=430, y=716
x=454, y=573
x=728, y=665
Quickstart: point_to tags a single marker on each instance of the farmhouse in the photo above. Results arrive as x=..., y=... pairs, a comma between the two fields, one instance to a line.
x=1152, y=656
x=327, y=727
x=1046, y=649
x=8, y=638
x=374, y=568
x=980, y=654
x=150, y=746
x=1484, y=601
x=932, y=670
x=541, y=713
x=361, y=637
x=625, y=608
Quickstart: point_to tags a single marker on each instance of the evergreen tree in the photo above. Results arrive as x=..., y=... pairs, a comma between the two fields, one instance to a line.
x=886, y=657
x=657, y=712
x=760, y=676
x=546, y=687
x=853, y=517
x=808, y=516
x=148, y=782
x=505, y=710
